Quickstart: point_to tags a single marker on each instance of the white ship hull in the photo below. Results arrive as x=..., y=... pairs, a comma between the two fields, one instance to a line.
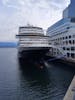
x=32, y=42
x=33, y=52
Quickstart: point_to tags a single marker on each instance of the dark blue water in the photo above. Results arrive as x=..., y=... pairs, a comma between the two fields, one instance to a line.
x=22, y=81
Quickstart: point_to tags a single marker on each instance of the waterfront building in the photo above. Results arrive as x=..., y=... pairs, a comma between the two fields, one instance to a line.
x=62, y=34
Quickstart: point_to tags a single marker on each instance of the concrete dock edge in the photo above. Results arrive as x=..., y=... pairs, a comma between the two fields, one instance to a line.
x=70, y=95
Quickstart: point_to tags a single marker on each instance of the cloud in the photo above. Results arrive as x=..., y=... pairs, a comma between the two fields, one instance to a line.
x=15, y=13
x=5, y=1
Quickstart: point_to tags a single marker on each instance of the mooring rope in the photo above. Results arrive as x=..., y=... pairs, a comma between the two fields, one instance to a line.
x=56, y=58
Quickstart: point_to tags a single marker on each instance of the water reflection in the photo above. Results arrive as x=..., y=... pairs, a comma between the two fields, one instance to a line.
x=24, y=80
x=33, y=81
x=32, y=71
x=43, y=84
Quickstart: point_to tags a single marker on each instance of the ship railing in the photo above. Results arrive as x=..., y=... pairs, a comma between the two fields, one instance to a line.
x=34, y=45
x=59, y=50
x=38, y=42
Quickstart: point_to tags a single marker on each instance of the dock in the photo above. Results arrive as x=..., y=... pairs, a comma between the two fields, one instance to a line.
x=70, y=95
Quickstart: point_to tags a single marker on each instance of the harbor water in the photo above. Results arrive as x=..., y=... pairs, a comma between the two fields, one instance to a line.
x=22, y=81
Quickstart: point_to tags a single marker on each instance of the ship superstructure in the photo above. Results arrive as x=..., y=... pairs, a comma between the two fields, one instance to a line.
x=32, y=42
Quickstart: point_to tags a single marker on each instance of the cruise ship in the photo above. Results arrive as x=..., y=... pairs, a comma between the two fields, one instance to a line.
x=62, y=35
x=32, y=42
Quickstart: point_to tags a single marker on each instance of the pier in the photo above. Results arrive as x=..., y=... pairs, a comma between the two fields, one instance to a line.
x=70, y=95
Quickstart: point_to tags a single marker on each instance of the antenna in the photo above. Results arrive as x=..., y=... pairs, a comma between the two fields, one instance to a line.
x=28, y=24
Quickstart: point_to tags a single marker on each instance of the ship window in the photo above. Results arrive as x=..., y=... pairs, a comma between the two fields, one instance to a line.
x=72, y=55
x=72, y=19
x=68, y=54
x=73, y=42
x=66, y=42
x=68, y=27
x=63, y=38
x=68, y=48
x=70, y=41
x=63, y=48
x=66, y=37
x=69, y=36
x=72, y=48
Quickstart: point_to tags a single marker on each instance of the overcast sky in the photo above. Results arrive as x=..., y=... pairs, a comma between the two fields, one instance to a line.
x=15, y=13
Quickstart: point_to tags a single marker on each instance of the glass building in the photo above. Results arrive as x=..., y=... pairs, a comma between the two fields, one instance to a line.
x=62, y=34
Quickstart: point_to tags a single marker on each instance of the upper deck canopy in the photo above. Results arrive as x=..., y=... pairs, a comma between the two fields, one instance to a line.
x=30, y=30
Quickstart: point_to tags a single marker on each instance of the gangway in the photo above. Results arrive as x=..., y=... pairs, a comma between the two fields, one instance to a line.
x=61, y=55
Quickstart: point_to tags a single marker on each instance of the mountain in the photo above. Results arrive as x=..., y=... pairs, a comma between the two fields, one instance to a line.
x=8, y=44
